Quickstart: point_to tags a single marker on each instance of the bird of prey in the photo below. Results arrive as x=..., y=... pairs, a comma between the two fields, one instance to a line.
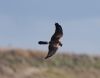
x=54, y=42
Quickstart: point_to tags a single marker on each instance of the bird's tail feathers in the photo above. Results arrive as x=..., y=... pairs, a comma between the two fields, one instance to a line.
x=43, y=42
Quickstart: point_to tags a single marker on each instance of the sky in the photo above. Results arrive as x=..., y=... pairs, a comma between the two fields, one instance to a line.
x=24, y=22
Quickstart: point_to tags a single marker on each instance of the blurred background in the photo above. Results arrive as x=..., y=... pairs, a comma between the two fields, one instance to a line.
x=25, y=22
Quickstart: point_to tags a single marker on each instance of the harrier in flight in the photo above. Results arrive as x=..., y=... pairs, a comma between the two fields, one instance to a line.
x=54, y=43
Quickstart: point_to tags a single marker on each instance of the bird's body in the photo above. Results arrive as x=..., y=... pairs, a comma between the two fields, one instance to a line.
x=54, y=42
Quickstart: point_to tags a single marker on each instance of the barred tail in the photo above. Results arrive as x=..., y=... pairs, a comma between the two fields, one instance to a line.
x=42, y=42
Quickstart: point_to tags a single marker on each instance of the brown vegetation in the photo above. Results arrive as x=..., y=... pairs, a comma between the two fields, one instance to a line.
x=20, y=63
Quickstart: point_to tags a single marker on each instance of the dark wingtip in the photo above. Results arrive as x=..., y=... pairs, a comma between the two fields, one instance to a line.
x=56, y=23
x=46, y=57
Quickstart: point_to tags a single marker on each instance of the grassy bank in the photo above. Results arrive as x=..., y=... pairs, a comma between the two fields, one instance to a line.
x=20, y=63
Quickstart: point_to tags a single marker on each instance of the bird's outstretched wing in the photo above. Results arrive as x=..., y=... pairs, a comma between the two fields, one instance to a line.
x=52, y=51
x=54, y=42
x=58, y=33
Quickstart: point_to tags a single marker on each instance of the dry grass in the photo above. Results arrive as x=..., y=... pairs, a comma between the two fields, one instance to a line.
x=20, y=63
